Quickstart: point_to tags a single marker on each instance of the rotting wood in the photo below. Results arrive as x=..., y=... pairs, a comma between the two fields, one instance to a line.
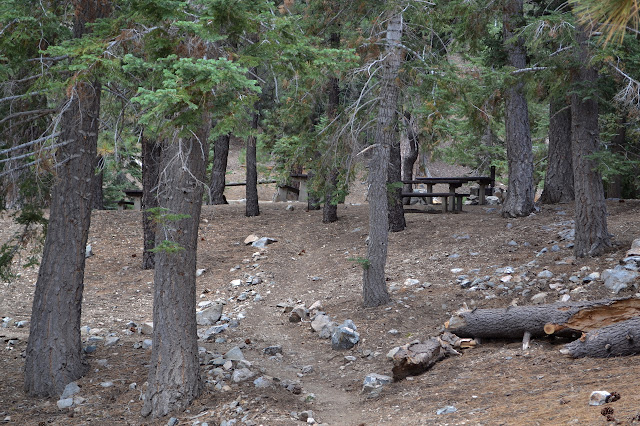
x=558, y=318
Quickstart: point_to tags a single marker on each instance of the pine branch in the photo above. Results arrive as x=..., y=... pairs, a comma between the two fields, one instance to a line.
x=23, y=113
x=31, y=143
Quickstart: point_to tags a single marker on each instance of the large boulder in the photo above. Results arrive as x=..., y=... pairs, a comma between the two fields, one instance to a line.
x=210, y=315
x=345, y=336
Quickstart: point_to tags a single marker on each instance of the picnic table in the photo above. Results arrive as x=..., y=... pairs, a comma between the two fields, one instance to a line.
x=453, y=199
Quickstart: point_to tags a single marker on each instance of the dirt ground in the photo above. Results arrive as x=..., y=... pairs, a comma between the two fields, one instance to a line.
x=495, y=383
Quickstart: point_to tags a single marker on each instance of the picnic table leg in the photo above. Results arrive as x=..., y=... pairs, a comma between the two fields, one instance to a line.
x=452, y=189
x=430, y=189
x=481, y=193
x=445, y=204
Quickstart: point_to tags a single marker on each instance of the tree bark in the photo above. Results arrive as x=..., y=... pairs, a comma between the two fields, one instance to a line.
x=374, y=289
x=558, y=182
x=219, y=170
x=252, y=208
x=397, y=222
x=619, y=339
x=592, y=236
x=330, y=208
x=174, y=375
x=520, y=192
x=151, y=157
x=411, y=155
x=539, y=320
x=54, y=350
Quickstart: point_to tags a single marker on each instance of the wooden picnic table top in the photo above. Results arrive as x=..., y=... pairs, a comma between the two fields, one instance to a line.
x=133, y=192
x=455, y=179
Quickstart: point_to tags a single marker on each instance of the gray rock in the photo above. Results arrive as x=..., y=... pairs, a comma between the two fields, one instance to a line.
x=88, y=251
x=111, y=341
x=492, y=200
x=539, y=298
x=263, y=242
x=210, y=315
x=263, y=382
x=306, y=369
x=446, y=410
x=234, y=354
x=374, y=381
x=272, y=350
x=64, y=403
x=599, y=397
x=618, y=278
x=546, y=274
x=173, y=421
x=555, y=248
x=345, y=336
x=327, y=330
x=106, y=384
x=319, y=322
x=22, y=324
x=147, y=344
x=241, y=375
x=299, y=313
x=70, y=390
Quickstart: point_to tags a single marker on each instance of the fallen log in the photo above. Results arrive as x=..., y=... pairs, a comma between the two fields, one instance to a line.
x=557, y=318
x=619, y=339
x=417, y=357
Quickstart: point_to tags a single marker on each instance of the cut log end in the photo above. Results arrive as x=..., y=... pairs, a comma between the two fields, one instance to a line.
x=553, y=328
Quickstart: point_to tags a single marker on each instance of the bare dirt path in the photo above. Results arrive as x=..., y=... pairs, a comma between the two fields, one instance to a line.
x=495, y=383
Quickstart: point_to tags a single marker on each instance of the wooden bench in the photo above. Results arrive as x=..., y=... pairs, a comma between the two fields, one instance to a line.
x=122, y=204
x=444, y=195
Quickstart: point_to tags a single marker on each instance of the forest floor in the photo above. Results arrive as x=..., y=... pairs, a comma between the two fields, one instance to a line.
x=492, y=384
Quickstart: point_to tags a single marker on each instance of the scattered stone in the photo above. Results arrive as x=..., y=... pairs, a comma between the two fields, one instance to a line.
x=327, y=330
x=316, y=306
x=173, y=421
x=147, y=328
x=306, y=369
x=111, y=341
x=304, y=416
x=70, y=390
x=147, y=344
x=22, y=324
x=290, y=208
x=89, y=349
x=539, y=298
x=251, y=239
x=298, y=314
x=541, y=252
x=599, y=397
x=635, y=248
x=546, y=274
x=594, y=276
x=492, y=200
x=345, y=336
x=234, y=354
x=374, y=382
x=409, y=282
x=106, y=384
x=618, y=278
x=241, y=375
x=272, y=350
x=555, y=248
x=263, y=242
x=446, y=410
x=88, y=252
x=210, y=333
x=393, y=332
x=64, y=403
x=199, y=272
x=263, y=382
x=235, y=283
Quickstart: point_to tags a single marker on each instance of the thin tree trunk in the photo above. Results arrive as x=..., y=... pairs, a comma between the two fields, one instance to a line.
x=98, y=178
x=614, y=187
x=252, y=208
x=411, y=154
x=219, y=170
x=558, y=182
x=174, y=375
x=151, y=157
x=54, y=350
x=592, y=236
x=374, y=289
x=520, y=192
x=330, y=208
x=394, y=183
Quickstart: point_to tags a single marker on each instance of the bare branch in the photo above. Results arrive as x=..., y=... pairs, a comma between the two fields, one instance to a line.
x=23, y=113
x=530, y=69
x=31, y=143
x=24, y=95
x=46, y=148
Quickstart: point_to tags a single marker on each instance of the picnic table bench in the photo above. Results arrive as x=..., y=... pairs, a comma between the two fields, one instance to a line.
x=453, y=199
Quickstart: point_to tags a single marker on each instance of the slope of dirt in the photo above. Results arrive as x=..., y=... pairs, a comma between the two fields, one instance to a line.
x=495, y=383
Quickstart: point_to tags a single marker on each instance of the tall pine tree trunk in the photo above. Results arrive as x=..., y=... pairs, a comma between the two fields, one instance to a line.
x=521, y=191
x=151, y=157
x=174, y=375
x=558, y=182
x=252, y=208
x=219, y=170
x=374, y=289
x=54, y=350
x=592, y=236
